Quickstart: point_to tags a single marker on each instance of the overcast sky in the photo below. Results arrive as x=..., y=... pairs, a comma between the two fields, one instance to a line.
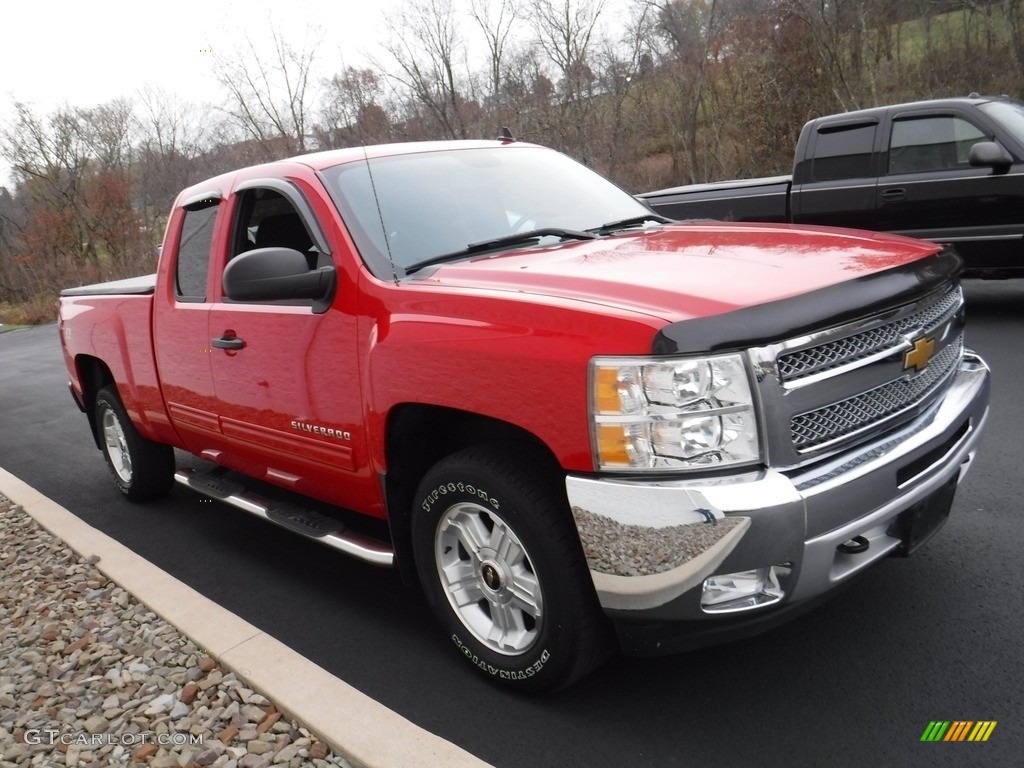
x=89, y=52
x=85, y=53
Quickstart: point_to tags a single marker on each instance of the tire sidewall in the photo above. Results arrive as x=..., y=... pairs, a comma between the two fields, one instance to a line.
x=106, y=404
x=152, y=463
x=542, y=665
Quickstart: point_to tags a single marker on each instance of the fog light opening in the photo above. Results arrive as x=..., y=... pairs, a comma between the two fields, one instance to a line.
x=741, y=591
x=854, y=546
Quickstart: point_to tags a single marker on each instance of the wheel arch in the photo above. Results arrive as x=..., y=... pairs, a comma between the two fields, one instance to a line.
x=417, y=436
x=93, y=375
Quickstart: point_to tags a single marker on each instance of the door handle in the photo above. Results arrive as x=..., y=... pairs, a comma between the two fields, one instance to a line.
x=228, y=342
x=894, y=194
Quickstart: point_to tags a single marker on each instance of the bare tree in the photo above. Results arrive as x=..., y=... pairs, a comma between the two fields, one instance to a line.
x=172, y=138
x=691, y=27
x=496, y=21
x=355, y=110
x=271, y=95
x=565, y=32
x=620, y=69
x=843, y=33
x=689, y=33
x=1011, y=10
x=425, y=44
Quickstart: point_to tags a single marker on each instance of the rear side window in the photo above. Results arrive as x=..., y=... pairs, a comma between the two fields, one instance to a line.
x=194, y=253
x=934, y=143
x=844, y=152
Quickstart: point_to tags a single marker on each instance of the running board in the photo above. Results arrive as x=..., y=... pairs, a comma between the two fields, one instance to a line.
x=303, y=521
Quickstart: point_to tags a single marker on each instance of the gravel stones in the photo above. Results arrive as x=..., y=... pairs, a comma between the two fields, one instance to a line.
x=633, y=550
x=188, y=693
x=93, y=678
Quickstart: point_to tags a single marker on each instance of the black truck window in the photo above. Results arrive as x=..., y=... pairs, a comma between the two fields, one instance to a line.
x=844, y=152
x=194, y=253
x=267, y=218
x=933, y=143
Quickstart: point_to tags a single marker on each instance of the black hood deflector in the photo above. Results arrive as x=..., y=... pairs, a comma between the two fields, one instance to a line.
x=800, y=315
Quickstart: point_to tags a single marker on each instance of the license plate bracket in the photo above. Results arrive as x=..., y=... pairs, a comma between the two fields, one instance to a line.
x=916, y=525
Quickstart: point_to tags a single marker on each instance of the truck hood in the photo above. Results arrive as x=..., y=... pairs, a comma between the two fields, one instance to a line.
x=689, y=270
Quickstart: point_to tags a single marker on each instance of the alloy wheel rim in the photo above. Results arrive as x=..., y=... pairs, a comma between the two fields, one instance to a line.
x=117, y=446
x=489, y=579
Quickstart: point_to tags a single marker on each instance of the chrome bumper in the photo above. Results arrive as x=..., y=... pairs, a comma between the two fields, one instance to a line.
x=650, y=545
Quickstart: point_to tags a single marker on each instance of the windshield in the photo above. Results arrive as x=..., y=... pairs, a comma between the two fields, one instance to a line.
x=1009, y=114
x=435, y=203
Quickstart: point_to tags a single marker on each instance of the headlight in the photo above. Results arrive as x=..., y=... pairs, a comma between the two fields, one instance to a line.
x=684, y=413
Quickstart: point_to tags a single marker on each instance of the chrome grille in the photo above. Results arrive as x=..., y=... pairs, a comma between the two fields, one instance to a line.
x=841, y=352
x=838, y=420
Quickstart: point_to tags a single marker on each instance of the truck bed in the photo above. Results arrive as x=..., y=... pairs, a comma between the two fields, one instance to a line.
x=132, y=286
x=106, y=330
x=765, y=199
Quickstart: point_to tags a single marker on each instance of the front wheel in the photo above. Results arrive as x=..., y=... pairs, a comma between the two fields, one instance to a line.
x=142, y=469
x=501, y=564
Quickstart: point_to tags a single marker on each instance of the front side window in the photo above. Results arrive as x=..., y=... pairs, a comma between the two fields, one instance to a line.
x=193, y=262
x=934, y=143
x=267, y=218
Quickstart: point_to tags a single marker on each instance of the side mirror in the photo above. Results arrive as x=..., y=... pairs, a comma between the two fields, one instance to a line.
x=990, y=154
x=274, y=274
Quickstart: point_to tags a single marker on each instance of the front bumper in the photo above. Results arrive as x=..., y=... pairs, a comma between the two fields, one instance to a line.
x=651, y=544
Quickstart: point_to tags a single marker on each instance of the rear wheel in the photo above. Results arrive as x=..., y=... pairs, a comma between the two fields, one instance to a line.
x=142, y=469
x=502, y=567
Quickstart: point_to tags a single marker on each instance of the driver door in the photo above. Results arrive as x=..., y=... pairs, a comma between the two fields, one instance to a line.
x=286, y=378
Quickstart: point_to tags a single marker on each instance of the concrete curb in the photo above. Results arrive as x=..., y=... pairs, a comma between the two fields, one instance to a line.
x=354, y=725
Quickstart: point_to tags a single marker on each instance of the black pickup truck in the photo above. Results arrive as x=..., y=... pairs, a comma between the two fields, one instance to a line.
x=947, y=170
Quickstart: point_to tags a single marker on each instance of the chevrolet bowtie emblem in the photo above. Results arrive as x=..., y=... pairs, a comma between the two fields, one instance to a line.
x=918, y=357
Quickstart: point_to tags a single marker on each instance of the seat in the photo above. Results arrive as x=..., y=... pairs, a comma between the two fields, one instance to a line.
x=286, y=230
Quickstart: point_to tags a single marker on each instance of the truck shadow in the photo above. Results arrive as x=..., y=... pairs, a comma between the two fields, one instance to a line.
x=994, y=300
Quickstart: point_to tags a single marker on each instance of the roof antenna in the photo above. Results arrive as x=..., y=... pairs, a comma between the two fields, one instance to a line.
x=380, y=215
x=505, y=135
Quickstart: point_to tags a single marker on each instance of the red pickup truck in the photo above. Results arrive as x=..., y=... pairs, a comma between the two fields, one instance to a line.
x=576, y=424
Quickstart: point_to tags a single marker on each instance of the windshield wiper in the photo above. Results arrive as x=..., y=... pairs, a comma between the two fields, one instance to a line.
x=519, y=238
x=632, y=221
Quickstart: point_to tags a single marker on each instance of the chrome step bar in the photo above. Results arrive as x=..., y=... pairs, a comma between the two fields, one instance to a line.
x=307, y=523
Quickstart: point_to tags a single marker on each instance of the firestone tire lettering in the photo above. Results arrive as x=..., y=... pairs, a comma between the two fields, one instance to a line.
x=503, y=674
x=437, y=493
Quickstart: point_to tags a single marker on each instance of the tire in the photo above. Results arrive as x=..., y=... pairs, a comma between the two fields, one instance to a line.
x=142, y=469
x=502, y=567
